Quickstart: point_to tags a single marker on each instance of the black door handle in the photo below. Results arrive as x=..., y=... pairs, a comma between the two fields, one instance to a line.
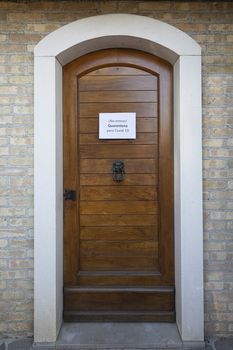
x=69, y=195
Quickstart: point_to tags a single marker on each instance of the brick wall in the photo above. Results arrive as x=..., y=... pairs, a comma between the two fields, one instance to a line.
x=22, y=25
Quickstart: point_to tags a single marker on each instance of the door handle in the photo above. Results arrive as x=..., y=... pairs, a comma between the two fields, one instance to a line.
x=69, y=195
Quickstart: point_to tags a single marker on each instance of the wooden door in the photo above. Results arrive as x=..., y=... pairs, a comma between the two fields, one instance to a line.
x=118, y=236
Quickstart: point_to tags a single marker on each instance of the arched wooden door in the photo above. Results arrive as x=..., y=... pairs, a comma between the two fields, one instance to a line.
x=118, y=236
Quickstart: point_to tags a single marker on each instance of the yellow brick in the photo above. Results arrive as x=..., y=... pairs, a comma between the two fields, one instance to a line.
x=220, y=48
x=12, y=48
x=214, y=276
x=154, y=5
x=225, y=132
x=8, y=90
x=221, y=70
x=23, y=109
x=213, y=142
x=20, y=150
x=8, y=5
x=4, y=151
x=215, y=246
x=24, y=16
x=218, y=59
x=2, y=37
x=22, y=161
x=4, y=110
x=21, y=79
x=219, y=27
x=214, y=184
x=21, y=141
x=12, y=212
x=30, y=48
x=187, y=6
x=108, y=6
x=3, y=80
x=19, y=222
x=214, y=285
x=21, y=58
x=3, y=285
x=20, y=284
x=5, y=100
x=3, y=243
x=192, y=27
x=3, y=142
x=25, y=38
x=21, y=181
x=61, y=16
x=20, y=264
x=3, y=59
x=42, y=27
x=12, y=69
x=22, y=119
x=221, y=153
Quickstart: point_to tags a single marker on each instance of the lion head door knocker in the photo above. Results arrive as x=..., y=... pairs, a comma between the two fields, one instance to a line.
x=118, y=170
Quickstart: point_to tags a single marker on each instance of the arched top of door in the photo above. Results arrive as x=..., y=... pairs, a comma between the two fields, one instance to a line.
x=117, y=30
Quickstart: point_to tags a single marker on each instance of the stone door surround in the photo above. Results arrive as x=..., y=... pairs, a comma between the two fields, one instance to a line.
x=54, y=51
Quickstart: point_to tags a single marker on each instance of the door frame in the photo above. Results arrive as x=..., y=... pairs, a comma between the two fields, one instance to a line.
x=54, y=51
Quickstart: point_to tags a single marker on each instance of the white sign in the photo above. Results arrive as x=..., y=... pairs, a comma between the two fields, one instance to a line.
x=117, y=125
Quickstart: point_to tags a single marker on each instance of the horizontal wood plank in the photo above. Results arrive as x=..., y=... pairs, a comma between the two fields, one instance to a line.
x=117, y=151
x=129, y=179
x=117, y=316
x=118, y=249
x=120, y=301
x=118, y=96
x=142, y=110
x=89, y=263
x=118, y=70
x=130, y=279
x=119, y=233
x=120, y=220
x=103, y=166
x=111, y=82
x=118, y=207
x=118, y=193
x=149, y=138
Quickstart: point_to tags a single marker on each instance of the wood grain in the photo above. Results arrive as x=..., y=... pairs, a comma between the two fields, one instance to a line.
x=118, y=235
x=118, y=70
x=118, y=193
x=134, y=166
x=119, y=220
x=129, y=179
x=143, y=110
x=115, y=83
x=117, y=151
x=129, y=263
x=142, y=139
x=118, y=207
x=118, y=96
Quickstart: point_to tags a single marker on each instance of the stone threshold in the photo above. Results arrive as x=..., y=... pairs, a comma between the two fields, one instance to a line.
x=118, y=336
x=66, y=343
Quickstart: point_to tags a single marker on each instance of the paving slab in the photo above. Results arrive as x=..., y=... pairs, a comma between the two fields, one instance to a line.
x=224, y=344
x=20, y=344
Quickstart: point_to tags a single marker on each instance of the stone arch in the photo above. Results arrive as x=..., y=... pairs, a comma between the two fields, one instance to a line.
x=51, y=53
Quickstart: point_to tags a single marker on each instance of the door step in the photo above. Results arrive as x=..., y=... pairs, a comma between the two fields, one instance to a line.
x=119, y=304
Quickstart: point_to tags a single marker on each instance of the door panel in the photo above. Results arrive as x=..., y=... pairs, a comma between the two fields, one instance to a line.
x=118, y=240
